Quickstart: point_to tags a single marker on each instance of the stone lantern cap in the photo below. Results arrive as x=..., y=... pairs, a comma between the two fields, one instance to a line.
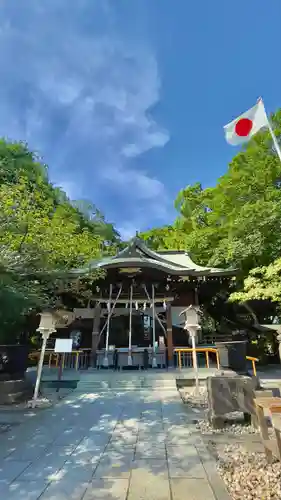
x=47, y=322
x=191, y=316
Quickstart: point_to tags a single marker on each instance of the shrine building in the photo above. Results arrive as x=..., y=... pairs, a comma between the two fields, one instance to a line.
x=138, y=304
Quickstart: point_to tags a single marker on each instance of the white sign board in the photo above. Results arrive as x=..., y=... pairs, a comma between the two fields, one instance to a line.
x=63, y=345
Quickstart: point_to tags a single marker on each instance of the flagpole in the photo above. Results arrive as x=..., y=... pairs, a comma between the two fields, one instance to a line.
x=275, y=142
x=274, y=139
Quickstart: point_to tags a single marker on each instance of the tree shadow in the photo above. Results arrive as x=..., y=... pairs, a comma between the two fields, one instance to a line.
x=102, y=445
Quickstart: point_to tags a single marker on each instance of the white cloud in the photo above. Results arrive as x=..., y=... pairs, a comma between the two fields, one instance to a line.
x=80, y=92
x=127, y=230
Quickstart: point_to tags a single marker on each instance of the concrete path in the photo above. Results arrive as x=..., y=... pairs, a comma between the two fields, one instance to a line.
x=133, y=445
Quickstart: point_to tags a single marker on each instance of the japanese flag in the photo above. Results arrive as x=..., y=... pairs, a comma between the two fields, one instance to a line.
x=245, y=126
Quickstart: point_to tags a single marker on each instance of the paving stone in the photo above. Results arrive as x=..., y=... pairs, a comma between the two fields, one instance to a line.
x=155, y=438
x=145, y=485
x=126, y=438
x=90, y=445
x=10, y=470
x=28, y=452
x=191, y=489
x=127, y=425
x=87, y=456
x=150, y=450
x=151, y=427
x=43, y=469
x=124, y=453
x=75, y=472
x=113, y=467
x=153, y=465
x=62, y=450
x=68, y=438
x=65, y=490
x=119, y=447
x=190, y=466
x=183, y=441
x=23, y=490
x=107, y=489
x=214, y=478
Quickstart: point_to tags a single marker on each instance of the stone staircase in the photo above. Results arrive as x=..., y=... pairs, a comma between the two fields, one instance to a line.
x=94, y=382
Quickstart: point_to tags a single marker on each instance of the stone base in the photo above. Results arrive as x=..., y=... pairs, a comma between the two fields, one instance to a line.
x=39, y=403
x=15, y=391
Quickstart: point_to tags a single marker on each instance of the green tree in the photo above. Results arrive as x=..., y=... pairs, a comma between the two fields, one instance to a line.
x=262, y=283
x=42, y=236
x=237, y=222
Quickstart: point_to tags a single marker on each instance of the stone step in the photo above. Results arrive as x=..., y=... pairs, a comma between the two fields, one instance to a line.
x=108, y=385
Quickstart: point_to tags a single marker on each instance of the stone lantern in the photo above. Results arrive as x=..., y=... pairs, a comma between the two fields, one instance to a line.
x=46, y=328
x=191, y=325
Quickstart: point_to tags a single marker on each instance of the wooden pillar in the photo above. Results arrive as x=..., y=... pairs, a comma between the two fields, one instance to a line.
x=96, y=332
x=170, y=345
x=196, y=303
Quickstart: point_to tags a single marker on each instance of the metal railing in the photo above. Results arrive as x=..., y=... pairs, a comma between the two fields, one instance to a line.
x=80, y=359
x=77, y=360
x=254, y=361
x=185, y=360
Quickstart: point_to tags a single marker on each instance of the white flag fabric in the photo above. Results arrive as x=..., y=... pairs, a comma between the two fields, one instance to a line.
x=243, y=128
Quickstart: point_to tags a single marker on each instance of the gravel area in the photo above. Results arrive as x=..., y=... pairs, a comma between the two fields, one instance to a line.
x=248, y=476
x=245, y=472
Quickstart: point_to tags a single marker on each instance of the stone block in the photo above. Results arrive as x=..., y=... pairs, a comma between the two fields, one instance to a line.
x=15, y=391
x=229, y=394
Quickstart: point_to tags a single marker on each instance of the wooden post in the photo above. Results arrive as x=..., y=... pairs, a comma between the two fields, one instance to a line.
x=170, y=345
x=130, y=359
x=95, y=333
x=61, y=361
x=207, y=359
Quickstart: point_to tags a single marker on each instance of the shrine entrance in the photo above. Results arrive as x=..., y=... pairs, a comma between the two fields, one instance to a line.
x=138, y=306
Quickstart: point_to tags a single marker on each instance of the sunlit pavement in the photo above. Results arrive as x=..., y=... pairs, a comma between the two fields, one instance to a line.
x=110, y=445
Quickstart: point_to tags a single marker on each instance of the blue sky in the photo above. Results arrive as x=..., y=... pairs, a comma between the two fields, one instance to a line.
x=125, y=100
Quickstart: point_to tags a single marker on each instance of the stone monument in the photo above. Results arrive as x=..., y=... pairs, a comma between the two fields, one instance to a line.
x=228, y=395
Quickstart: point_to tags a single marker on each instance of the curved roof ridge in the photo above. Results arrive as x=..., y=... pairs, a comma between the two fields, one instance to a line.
x=138, y=254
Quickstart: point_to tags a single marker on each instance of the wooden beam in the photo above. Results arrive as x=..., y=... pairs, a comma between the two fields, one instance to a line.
x=135, y=299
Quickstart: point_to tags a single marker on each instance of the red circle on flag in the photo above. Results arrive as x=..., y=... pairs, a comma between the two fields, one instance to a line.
x=243, y=127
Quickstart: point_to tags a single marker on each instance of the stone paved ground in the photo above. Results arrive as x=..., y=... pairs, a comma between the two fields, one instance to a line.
x=132, y=445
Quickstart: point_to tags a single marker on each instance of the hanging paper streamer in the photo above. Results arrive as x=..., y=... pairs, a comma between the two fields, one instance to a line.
x=144, y=306
x=126, y=305
x=108, y=306
x=137, y=306
x=164, y=305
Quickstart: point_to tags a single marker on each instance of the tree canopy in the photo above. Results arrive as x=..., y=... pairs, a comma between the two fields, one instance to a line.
x=237, y=222
x=41, y=230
